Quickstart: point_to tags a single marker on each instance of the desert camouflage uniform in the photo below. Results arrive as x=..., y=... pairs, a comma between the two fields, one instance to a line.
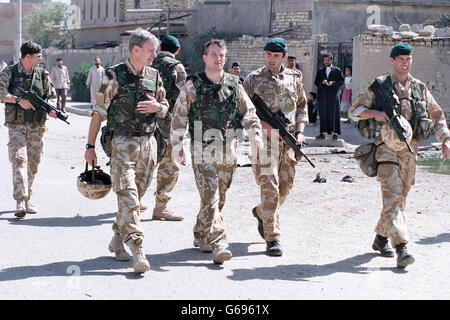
x=274, y=170
x=25, y=144
x=168, y=170
x=133, y=157
x=213, y=177
x=397, y=180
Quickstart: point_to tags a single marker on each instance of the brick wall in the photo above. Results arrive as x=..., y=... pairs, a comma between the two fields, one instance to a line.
x=299, y=20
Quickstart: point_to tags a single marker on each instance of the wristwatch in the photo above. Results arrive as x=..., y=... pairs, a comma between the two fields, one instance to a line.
x=297, y=132
x=89, y=146
x=17, y=100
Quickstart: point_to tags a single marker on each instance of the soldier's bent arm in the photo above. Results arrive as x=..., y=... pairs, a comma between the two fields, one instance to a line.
x=180, y=120
x=441, y=130
x=5, y=96
x=361, y=109
x=247, y=111
x=301, y=114
x=180, y=79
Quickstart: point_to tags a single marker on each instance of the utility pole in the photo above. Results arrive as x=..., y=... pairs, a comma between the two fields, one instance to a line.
x=19, y=40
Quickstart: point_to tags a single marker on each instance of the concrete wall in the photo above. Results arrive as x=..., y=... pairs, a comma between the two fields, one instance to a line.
x=74, y=58
x=431, y=64
x=344, y=20
x=9, y=27
x=249, y=52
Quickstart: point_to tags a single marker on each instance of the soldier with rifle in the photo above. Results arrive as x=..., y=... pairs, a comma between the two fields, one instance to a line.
x=24, y=88
x=281, y=89
x=397, y=111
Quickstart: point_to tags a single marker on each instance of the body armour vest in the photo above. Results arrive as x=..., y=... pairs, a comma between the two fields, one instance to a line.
x=421, y=123
x=123, y=117
x=166, y=66
x=19, y=79
x=215, y=105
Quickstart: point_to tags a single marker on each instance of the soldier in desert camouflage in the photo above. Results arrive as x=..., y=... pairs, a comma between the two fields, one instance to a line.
x=26, y=125
x=396, y=164
x=173, y=75
x=130, y=99
x=281, y=89
x=210, y=104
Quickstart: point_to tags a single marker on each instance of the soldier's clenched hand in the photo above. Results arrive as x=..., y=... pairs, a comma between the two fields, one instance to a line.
x=25, y=104
x=258, y=144
x=90, y=156
x=180, y=157
x=446, y=149
x=149, y=106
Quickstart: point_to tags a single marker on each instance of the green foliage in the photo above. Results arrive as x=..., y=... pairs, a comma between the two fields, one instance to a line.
x=435, y=165
x=439, y=22
x=78, y=84
x=47, y=26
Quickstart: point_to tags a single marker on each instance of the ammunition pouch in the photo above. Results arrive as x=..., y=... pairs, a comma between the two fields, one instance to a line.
x=106, y=140
x=422, y=125
x=369, y=128
x=365, y=156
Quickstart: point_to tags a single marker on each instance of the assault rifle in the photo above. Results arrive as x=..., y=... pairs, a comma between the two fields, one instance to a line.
x=387, y=103
x=278, y=121
x=41, y=105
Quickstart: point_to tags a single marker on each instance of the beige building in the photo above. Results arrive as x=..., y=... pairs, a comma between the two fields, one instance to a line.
x=100, y=21
x=9, y=26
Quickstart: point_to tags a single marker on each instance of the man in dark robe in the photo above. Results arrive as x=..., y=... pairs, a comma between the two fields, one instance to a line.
x=328, y=81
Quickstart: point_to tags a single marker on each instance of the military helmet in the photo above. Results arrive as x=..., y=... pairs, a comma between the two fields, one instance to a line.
x=94, y=184
x=391, y=139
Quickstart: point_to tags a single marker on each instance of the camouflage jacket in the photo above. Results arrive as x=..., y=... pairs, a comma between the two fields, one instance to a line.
x=366, y=100
x=38, y=79
x=189, y=98
x=172, y=73
x=283, y=91
x=122, y=89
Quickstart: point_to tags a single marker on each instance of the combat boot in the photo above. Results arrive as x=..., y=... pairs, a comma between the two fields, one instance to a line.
x=260, y=223
x=403, y=257
x=30, y=208
x=160, y=213
x=20, y=209
x=221, y=254
x=116, y=246
x=142, y=207
x=273, y=248
x=141, y=264
x=202, y=245
x=382, y=244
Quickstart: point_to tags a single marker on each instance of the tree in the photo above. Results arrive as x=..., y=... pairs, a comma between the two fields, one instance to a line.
x=47, y=25
x=439, y=22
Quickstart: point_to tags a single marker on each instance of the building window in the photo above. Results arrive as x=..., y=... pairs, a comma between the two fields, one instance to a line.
x=98, y=13
x=107, y=9
x=137, y=4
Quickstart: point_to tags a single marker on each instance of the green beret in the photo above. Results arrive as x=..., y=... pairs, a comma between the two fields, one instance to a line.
x=170, y=40
x=401, y=48
x=276, y=45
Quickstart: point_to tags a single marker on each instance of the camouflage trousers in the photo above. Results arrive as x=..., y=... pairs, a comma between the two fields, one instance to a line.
x=133, y=160
x=395, y=181
x=167, y=177
x=213, y=179
x=274, y=172
x=25, y=150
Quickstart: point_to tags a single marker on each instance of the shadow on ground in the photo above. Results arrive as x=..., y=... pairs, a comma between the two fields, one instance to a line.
x=77, y=221
x=443, y=237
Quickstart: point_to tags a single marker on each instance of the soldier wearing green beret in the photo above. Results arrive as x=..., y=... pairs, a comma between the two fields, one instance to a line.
x=173, y=75
x=397, y=166
x=281, y=89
